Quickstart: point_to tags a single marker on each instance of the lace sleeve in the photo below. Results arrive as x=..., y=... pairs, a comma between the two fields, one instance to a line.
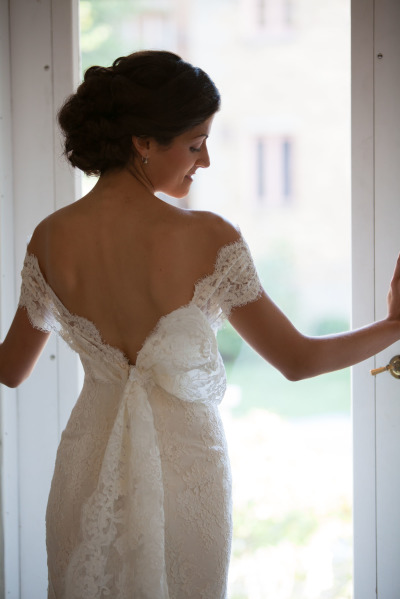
x=233, y=283
x=34, y=296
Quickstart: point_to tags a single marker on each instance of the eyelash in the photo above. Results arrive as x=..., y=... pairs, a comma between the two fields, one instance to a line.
x=195, y=149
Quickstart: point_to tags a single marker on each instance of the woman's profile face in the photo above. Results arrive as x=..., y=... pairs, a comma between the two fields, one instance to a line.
x=171, y=169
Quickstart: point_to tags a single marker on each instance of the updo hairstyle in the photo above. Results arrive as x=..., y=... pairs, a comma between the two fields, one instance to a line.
x=150, y=94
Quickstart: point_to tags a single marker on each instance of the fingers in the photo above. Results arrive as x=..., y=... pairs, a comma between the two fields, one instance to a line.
x=393, y=298
x=396, y=274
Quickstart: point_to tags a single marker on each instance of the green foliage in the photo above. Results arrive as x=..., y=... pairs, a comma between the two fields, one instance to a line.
x=329, y=325
x=105, y=34
x=263, y=387
x=229, y=343
x=277, y=274
x=251, y=532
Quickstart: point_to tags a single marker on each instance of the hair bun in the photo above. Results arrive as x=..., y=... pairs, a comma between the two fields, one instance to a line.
x=149, y=93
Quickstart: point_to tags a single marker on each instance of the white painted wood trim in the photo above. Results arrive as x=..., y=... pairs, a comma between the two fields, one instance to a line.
x=387, y=182
x=363, y=304
x=39, y=65
x=363, y=298
x=8, y=397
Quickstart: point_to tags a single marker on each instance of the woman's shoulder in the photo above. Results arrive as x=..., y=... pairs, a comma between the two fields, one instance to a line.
x=193, y=240
x=53, y=238
x=49, y=227
x=212, y=229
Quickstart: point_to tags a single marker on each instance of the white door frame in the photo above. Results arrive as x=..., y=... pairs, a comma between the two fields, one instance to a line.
x=39, y=49
x=363, y=308
x=371, y=163
x=9, y=452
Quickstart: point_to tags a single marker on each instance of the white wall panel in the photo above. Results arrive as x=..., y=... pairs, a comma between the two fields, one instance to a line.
x=42, y=38
x=9, y=420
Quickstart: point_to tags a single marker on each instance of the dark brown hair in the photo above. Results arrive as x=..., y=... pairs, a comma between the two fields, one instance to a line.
x=151, y=94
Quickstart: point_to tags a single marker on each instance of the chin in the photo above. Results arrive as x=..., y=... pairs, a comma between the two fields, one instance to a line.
x=178, y=193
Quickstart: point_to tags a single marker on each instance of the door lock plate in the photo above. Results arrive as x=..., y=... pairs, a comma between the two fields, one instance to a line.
x=393, y=367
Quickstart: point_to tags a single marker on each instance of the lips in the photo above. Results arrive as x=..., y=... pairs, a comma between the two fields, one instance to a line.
x=190, y=175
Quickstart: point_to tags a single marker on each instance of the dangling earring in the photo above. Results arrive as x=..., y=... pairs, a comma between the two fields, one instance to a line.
x=145, y=159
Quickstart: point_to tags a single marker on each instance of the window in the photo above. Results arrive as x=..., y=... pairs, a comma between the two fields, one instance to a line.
x=268, y=17
x=274, y=170
x=154, y=30
x=272, y=154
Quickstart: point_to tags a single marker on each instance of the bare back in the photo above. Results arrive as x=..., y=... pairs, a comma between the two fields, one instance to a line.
x=123, y=264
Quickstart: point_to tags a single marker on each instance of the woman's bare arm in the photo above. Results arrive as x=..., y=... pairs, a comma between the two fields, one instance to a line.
x=297, y=356
x=20, y=350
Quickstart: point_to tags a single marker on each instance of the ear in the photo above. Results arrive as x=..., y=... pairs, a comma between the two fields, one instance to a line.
x=141, y=145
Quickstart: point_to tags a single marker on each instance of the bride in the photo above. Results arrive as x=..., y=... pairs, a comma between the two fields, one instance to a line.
x=140, y=502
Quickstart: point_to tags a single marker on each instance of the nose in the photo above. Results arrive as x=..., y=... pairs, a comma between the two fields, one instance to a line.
x=204, y=158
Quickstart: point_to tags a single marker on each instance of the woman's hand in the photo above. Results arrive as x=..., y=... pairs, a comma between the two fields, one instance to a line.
x=393, y=298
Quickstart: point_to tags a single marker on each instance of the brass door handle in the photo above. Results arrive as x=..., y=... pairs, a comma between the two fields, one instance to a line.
x=393, y=367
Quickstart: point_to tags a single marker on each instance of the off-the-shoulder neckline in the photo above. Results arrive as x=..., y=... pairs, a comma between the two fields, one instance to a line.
x=71, y=316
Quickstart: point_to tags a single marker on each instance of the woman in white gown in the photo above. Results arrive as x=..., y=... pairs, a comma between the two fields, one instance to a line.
x=140, y=502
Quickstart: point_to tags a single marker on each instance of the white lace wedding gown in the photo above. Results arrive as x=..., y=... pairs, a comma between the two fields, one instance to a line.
x=140, y=502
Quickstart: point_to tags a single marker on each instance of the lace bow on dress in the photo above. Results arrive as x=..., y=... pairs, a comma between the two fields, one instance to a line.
x=140, y=502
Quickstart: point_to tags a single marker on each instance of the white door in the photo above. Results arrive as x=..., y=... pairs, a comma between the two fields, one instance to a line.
x=387, y=245
x=376, y=234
